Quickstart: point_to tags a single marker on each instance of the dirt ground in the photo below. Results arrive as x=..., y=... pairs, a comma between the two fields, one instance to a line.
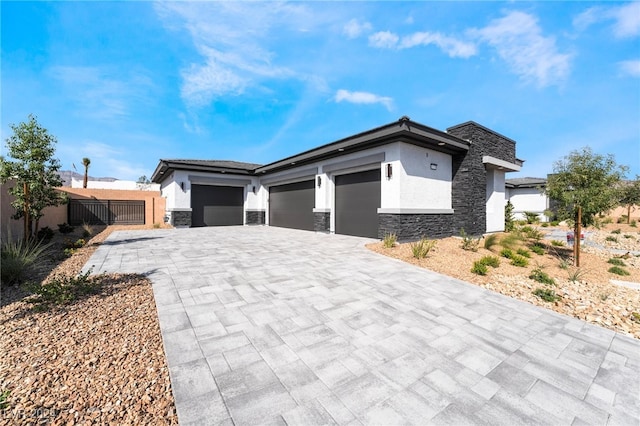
x=592, y=297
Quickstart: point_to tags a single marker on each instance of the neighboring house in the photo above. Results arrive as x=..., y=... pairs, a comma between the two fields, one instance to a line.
x=115, y=184
x=403, y=178
x=526, y=195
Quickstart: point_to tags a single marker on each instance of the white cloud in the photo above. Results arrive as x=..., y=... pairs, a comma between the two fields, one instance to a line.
x=453, y=47
x=383, y=39
x=518, y=39
x=626, y=19
x=355, y=28
x=363, y=98
x=631, y=68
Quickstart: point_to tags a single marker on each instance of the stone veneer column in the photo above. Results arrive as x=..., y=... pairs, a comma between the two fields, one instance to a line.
x=322, y=221
x=408, y=227
x=255, y=217
x=180, y=218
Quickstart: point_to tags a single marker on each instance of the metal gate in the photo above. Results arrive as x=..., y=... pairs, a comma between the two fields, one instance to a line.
x=106, y=212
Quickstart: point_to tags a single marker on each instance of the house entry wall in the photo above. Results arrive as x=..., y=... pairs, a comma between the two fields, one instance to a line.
x=291, y=205
x=357, y=202
x=214, y=205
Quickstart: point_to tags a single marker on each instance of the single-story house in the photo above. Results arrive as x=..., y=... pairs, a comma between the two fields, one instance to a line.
x=526, y=195
x=404, y=178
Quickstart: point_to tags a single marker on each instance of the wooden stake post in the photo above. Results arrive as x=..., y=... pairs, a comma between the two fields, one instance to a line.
x=576, y=237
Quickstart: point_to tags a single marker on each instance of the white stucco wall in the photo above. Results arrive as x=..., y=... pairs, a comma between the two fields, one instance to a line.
x=527, y=200
x=496, y=200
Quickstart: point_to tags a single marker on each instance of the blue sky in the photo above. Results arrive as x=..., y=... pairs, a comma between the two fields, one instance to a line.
x=128, y=83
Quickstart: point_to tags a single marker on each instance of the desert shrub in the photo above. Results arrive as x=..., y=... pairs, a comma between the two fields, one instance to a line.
x=4, y=397
x=542, y=277
x=511, y=240
x=575, y=275
x=492, y=261
x=490, y=241
x=618, y=270
x=633, y=223
x=65, y=228
x=622, y=219
x=616, y=231
x=607, y=220
x=508, y=217
x=62, y=289
x=532, y=233
x=421, y=249
x=468, y=242
x=519, y=261
x=389, y=240
x=555, y=223
x=611, y=238
x=627, y=236
x=20, y=256
x=537, y=249
x=531, y=217
x=557, y=243
x=545, y=224
x=45, y=234
x=546, y=294
x=506, y=252
x=87, y=230
x=635, y=317
x=563, y=263
x=479, y=268
x=616, y=261
x=524, y=252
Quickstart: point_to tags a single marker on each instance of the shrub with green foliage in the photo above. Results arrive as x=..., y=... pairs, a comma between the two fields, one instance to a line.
x=519, y=261
x=633, y=223
x=616, y=261
x=389, y=240
x=63, y=289
x=45, y=234
x=479, y=268
x=65, y=228
x=20, y=256
x=537, y=249
x=531, y=217
x=87, y=230
x=490, y=241
x=557, y=243
x=555, y=223
x=616, y=231
x=546, y=294
x=4, y=396
x=542, y=277
x=508, y=217
x=524, y=252
x=511, y=240
x=492, y=261
x=545, y=224
x=506, y=252
x=468, y=242
x=421, y=249
x=618, y=270
x=611, y=238
x=575, y=275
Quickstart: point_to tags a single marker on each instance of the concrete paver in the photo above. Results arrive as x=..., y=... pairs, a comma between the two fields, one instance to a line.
x=274, y=326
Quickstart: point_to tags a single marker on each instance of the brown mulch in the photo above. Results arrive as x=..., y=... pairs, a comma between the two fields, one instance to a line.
x=592, y=297
x=98, y=360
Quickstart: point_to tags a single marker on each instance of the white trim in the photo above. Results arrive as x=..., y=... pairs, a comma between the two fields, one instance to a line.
x=296, y=176
x=254, y=210
x=179, y=209
x=500, y=164
x=415, y=211
x=321, y=210
x=217, y=181
x=369, y=160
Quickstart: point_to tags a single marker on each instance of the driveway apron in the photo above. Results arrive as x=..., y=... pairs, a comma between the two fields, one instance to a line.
x=267, y=325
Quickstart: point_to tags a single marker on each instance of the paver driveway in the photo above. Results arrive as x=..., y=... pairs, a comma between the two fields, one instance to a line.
x=267, y=325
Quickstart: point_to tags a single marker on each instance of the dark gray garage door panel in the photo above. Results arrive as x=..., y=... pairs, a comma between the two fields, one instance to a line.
x=291, y=205
x=216, y=205
x=357, y=203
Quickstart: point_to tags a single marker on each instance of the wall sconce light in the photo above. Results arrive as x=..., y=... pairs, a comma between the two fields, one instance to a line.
x=434, y=166
x=254, y=189
x=389, y=170
x=182, y=185
x=319, y=181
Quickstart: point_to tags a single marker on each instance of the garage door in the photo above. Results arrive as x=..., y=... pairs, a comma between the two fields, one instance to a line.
x=291, y=205
x=357, y=203
x=217, y=205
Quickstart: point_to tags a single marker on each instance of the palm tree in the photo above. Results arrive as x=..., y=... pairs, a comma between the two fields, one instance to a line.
x=85, y=163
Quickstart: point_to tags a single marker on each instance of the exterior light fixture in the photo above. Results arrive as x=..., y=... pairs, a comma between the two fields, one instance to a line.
x=441, y=143
x=434, y=166
x=319, y=181
x=254, y=189
x=389, y=170
x=182, y=185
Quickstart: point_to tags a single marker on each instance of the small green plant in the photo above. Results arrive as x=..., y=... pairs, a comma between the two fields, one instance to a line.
x=622, y=219
x=62, y=289
x=635, y=316
x=468, y=242
x=546, y=294
x=616, y=261
x=633, y=224
x=490, y=241
x=627, y=236
x=563, y=263
x=479, y=268
x=545, y=224
x=45, y=234
x=537, y=249
x=542, y=277
x=508, y=217
x=4, y=397
x=523, y=252
x=20, y=256
x=421, y=249
x=506, y=252
x=492, y=261
x=531, y=217
x=65, y=228
x=87, y=230
x=618, y=270
x=604, y=296
x=616, y=231
x=156, y=225
x=519, y=261
x=389, y=240
x=555, y=223
x=557, y=243
x=531, y=233
x=511, y=240
x=611, y=238
x=575, y=275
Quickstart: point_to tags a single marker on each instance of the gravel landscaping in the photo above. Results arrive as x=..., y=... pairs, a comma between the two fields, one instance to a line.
x=98, y=360
x=586, y=293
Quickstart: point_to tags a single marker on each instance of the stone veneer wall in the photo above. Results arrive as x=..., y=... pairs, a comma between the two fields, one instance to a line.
x=469, y=184
x=322, y=221
x=255, y=217
x=408, y=227
x=180, y=219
